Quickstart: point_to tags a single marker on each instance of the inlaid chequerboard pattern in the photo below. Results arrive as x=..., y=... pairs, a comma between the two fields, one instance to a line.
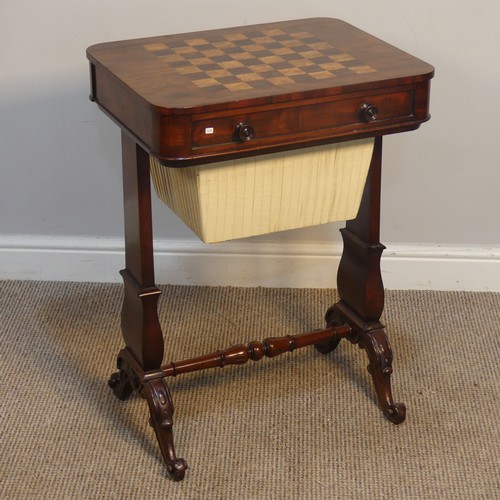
x=256, y=59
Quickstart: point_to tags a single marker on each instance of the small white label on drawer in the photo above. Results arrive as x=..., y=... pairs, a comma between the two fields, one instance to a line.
x=209, y=130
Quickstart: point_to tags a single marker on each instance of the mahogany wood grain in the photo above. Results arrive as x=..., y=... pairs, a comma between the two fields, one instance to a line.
x=141, y=86
x=255, y=351
x=361, y=291
x=151, y=385
x=293, y=84
x=140, y=325
x=359, y=280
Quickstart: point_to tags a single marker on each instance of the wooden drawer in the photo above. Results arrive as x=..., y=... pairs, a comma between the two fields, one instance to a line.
x=365, y=111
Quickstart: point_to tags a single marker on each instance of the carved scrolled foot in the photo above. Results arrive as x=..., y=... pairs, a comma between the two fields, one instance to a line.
x=332, y=319
x=379, y=352
x=124, y=381
x=396, y=413
x=161, y=408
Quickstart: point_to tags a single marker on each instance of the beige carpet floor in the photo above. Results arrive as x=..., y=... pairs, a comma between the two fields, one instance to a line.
x=301, y=426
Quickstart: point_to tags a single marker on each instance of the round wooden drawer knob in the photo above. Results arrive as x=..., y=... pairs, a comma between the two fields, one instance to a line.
x=245, y=132
x=368, y=112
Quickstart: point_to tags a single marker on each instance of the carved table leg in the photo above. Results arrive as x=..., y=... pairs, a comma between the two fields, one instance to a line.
x=361, y=290
x=379, y=353
x=161, y=408
x=139, y=364
x=123, y=382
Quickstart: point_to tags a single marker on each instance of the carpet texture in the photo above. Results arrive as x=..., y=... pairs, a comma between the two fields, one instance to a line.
x=301, y=426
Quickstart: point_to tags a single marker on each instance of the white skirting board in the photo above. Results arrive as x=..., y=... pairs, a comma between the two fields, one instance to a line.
x=248, y=264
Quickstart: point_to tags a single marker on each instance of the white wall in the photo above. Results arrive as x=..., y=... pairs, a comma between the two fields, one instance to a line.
x=60, y=156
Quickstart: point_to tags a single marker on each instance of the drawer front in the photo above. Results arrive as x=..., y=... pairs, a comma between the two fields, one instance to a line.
x=263, y=125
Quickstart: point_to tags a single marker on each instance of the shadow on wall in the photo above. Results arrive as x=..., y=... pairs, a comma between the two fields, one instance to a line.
x=61, y=166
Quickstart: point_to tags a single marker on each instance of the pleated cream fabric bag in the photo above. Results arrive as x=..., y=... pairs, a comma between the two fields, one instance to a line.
x=268, y=193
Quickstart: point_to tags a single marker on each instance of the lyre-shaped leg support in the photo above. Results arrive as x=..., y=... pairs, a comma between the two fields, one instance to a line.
x=361, y=291
x=140, y=363
x=356, y=316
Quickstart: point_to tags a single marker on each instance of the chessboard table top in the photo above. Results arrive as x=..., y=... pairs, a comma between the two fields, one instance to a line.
x=249, y=65
x=214, y=95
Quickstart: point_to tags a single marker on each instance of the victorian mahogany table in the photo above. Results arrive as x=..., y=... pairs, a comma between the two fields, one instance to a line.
x=204, y=97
